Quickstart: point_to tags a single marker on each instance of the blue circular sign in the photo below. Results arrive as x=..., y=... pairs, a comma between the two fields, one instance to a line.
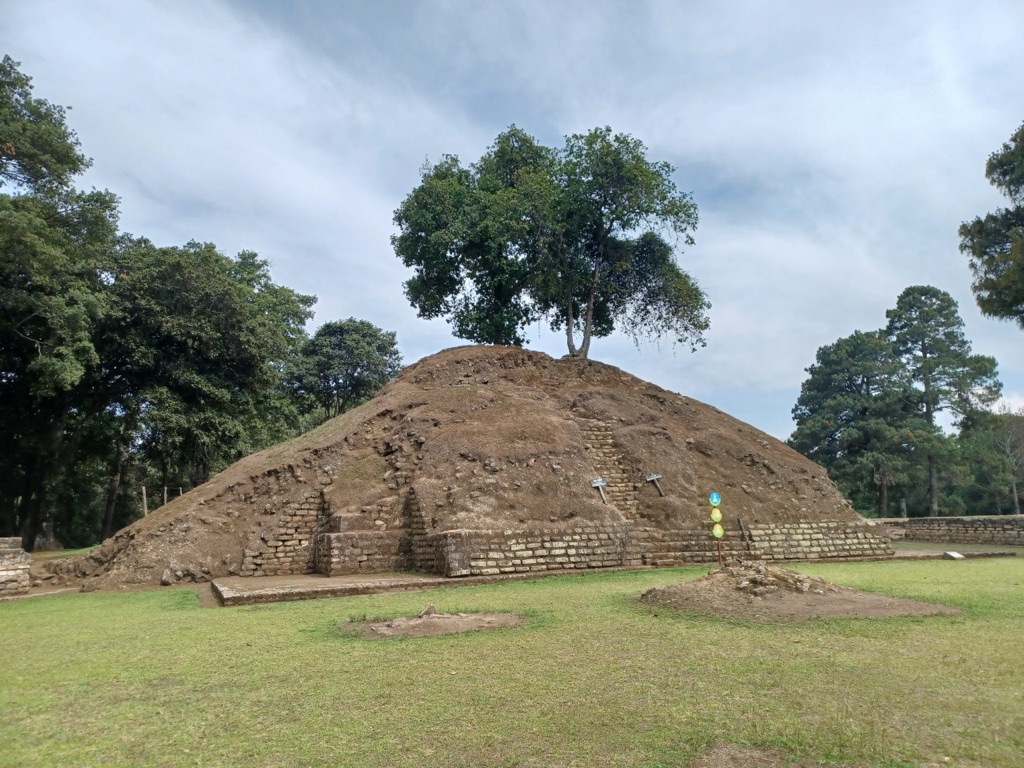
x=715, y=499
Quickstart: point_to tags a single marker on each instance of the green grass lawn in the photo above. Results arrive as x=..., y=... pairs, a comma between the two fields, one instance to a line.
x=593, y=679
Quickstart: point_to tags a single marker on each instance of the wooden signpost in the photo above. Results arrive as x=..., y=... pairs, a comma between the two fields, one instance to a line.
x=653, y=478
x=600, y=483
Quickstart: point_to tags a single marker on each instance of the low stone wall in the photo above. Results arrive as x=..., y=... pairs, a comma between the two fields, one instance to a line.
x=486, y=553
x=289, y=547
x=818, y=541
x=14, y=565
x=1001, y=530
x=363, y=552
x=686, y=546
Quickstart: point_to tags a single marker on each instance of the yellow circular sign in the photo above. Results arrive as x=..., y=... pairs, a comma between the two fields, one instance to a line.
x=716, y=515
x=718, y=531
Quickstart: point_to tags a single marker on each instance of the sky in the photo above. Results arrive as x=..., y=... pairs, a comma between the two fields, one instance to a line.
x=832, y=148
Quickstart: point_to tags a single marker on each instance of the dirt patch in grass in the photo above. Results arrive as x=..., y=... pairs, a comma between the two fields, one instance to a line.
x=755, y=591
x=432, y=624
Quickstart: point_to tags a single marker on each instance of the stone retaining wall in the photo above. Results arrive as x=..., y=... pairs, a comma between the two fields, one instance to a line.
x=660, y=547
x=1003, y=530
x=300, y=543
x=487, y=553
x=363, y=552
x=818, y=541
x=14, y=565
x=289, y=547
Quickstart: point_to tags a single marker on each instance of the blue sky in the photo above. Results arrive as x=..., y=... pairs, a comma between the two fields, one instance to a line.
x=833, y=148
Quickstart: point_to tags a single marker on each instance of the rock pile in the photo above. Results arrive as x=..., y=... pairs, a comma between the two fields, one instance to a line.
x=759, y=579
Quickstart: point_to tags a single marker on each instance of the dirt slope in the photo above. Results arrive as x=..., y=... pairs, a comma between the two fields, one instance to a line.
x=486, y=438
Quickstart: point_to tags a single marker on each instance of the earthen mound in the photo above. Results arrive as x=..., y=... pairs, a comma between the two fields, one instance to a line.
x=488, y=460
x=755, y=591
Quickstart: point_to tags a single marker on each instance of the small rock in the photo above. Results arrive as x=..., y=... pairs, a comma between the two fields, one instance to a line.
x=166, y=579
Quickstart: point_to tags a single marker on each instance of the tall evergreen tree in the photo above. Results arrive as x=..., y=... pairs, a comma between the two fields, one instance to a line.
x=927, y=335
x=857, y=417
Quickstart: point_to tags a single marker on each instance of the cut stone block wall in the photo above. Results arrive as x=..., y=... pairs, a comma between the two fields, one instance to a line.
x=486, y=553
x=1004, y=530
x=363, y=552
x=685, y=546
x=291, y=545
x=14, y=568
x=483, y=553
x=819, y=540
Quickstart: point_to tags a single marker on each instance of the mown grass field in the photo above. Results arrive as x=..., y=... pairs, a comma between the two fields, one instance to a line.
x=593, y=679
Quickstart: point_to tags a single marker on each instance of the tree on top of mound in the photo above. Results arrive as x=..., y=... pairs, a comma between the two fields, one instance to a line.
x=575, y=236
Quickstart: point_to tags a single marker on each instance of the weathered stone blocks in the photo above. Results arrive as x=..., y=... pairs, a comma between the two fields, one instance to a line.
x=14, y=568
x=1000, y=530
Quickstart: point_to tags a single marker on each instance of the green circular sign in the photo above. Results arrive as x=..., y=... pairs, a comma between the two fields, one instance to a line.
x=716, y=514
x=718, y=531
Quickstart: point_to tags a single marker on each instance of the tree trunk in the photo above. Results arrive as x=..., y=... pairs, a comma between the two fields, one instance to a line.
x=115, y=483
x=1016, y=498
x=569, y=319
x=588, y=325
x=933, y=488
x=903, y=508
x=45, y=538
x=30, y=523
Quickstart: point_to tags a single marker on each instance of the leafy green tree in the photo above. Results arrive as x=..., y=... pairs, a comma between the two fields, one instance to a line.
x=980, y=470
x=574, y=235
x=53, y=251
x=194, y=348
x=115, y=353
x=38, y=151
x=344, y=364
x=995, y=244
x=927, y=335
x=1008, y=438
x=857, y=417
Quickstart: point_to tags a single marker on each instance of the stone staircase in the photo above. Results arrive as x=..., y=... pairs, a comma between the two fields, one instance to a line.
x=600, y=444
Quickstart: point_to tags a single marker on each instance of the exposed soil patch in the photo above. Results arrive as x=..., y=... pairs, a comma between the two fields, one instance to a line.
x=432, y=624
x=754, y=591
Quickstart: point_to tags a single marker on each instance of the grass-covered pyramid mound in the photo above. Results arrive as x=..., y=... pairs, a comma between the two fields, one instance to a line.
x=480, y=460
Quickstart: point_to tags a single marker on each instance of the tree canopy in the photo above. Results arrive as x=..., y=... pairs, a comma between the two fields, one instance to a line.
x=38, y=151
x=573, y=235
x=868, y=410
x=344, y=364
x=994, y=244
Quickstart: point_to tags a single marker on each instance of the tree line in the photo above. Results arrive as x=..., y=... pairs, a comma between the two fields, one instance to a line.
x=869, y=409
x=125, y=364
